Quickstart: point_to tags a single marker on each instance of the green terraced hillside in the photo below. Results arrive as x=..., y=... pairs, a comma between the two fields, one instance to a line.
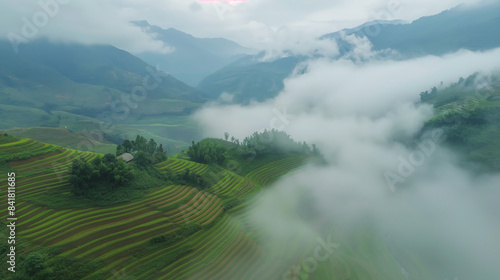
x=173, y=232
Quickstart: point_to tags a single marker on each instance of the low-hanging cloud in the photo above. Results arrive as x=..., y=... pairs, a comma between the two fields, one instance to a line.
x=363, y=116
x=254, y=23
x=330, y=90
x=77, y=22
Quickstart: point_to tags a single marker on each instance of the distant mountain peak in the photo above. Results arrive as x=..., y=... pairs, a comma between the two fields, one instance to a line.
x=194, y=58
x=445, y=32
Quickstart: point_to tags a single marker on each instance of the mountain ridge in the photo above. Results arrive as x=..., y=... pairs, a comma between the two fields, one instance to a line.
x=57, y=85
x=192, y=58
x=445, y=32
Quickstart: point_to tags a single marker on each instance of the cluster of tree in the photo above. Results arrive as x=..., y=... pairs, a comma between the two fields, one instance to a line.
x=233, y=140
x=108, y=179
x=46, y=264
x=469, y=81
x=4, y=137
x=190, y=179
x=207, y=151
x=461, y=123
x=259, y=144
x=149, y=149
x=275, y=142
x=34, y=263
x=102, y=174
x=426, y=96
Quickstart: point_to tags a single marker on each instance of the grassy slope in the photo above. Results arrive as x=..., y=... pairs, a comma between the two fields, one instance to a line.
x=103, y=242
x=54, y=85
x=173, y=130
x=61, y=137
x=258, y=81
x=471, y=117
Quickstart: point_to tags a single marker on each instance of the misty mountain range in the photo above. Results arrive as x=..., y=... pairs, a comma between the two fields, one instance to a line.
x=192, y=58
x=87, y=80
x=364, y=153
x=458, y=28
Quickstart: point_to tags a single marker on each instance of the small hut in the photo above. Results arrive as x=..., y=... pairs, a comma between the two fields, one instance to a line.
x=126, y=157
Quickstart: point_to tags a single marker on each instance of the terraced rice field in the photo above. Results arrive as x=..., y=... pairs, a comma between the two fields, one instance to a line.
x=232, y=185
x=183, y=204
x=270, y=172
x=111, y=234
x=120, y=236
x=221, y=252
x=42, y=173
x=229, y=184
x=179, y=165
x=24, y=148
x=19, y=145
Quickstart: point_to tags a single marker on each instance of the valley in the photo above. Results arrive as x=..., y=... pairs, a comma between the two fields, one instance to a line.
x=216, y=140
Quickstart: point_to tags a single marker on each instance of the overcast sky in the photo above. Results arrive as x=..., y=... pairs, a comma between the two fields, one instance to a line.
x=252, y=23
